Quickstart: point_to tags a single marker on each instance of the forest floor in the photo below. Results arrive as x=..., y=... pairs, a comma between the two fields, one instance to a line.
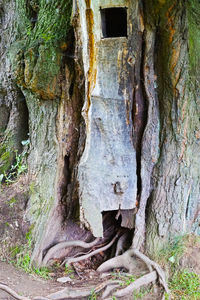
x=23, y=283
x=30, y=285
x=15, y=253
x=14, y=259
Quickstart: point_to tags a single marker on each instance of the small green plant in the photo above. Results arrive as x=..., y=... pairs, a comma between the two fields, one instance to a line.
x=47, y=36
x=68, y=269
x=126, y=279
x=129, y=280
x=19, y=165
x=185, y=285
x=93, y=295
x=172, y=252
x=141, y=293
x=12, y=202
x=14, y=251
x=21, y=258
x=29, y=30
x=17, y=168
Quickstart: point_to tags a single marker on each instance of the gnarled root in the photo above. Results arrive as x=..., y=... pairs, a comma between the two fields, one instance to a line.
x=121, y=261
x=86, y=256
x=121, y=242
x=72, y=293
x=150, y=263
x=67, y=244
x=144, y=280
x=125, y=260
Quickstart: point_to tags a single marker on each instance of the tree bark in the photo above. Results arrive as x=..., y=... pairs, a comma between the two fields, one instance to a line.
x=142, y=121
x=173, y=207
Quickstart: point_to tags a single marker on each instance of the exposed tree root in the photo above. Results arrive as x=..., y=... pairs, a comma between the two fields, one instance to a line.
x=109, y=289
x=11, y=292
x=86, y=256
x=121, y=261
x=67, y=244
x=125, y=260
x=151, y=263
x=77, y=293
x=120, y=243
x=144, y=280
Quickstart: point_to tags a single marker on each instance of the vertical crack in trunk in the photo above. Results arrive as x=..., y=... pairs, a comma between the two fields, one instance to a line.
x=149, y=141
x=139, y=114
x=75, y=135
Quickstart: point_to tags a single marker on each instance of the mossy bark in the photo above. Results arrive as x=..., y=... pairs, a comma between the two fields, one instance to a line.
x=13, y=110
x=42, y=92
x=43, y=68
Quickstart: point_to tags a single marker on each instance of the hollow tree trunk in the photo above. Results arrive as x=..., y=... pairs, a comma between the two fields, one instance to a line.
x=140, y=115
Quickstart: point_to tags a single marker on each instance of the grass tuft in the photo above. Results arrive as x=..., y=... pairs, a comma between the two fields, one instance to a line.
x=185, y=285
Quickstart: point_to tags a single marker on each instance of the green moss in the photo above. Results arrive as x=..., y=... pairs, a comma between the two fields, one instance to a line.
x=43, y=27
x=155, y=10
x=46, y=21
x=194, y=36
x=32, y=188
x=6, y=158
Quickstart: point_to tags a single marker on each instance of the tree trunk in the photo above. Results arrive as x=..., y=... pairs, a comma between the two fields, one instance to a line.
x=113, y=115
x=173, y=206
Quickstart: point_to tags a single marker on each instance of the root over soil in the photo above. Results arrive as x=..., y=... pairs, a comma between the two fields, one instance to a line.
x=110, y=287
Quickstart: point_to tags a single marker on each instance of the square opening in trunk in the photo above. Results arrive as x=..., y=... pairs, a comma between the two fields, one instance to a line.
x=114, y=22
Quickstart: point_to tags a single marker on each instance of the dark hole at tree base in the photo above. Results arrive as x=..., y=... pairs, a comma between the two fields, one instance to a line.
x=114, y=22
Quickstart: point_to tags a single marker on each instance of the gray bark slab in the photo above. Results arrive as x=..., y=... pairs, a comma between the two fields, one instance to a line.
x=107, y=170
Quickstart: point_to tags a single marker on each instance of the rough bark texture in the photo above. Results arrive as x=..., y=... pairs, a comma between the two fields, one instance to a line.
x=174, y=202
x=138, y=145
x=42, y=59
x=13, y=109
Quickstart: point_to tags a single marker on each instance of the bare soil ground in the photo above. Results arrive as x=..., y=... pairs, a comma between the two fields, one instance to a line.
x=25, y=284
x=13, y=225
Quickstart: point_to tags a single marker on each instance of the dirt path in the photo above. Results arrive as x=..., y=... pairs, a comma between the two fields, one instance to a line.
x=25, y=284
